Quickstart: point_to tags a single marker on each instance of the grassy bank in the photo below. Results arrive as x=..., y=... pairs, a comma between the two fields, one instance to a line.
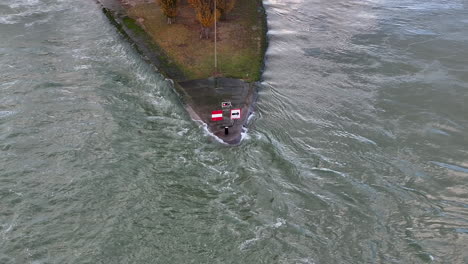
x=241, y=40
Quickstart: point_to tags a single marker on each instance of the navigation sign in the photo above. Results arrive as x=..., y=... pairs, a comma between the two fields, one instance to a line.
x=226, y=104
x=235, y=113
x=217, y=115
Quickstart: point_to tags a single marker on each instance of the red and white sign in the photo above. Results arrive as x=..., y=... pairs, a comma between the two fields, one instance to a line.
x=235, y=113
x=217, y=115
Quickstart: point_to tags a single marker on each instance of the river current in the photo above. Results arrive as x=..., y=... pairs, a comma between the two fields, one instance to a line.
x=357, y=152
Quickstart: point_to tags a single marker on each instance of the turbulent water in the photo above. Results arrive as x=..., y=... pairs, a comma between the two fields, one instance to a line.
x=358, y=151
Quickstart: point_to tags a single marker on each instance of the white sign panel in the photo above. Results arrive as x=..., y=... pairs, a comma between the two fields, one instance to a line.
x=235, y=113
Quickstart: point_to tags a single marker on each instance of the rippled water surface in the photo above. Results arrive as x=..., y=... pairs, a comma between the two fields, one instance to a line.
x=358, y=151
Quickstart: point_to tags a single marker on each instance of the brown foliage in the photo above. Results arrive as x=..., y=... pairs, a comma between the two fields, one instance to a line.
x=206, y=13
x=169, y=7
x=193, y=3
x=225, y=6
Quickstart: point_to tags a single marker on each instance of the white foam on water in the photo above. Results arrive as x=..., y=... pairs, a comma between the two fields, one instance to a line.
x=279, y=223
x=182, y=132
x=450, y=166
x=33, y=10
x=81, y=67
x=244, y=134
x=207, y=132
x=249, y=242
x=37, y=22
x=141, y=77
x=22, y=3
x=7, y=20
x=169, y=80
x=281, y=32
x=329, y=170
x=250, y=117
x=7, y=85
x=259, y=231
x=6, y=113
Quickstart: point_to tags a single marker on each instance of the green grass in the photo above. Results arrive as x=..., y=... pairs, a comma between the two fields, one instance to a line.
x=133, y=25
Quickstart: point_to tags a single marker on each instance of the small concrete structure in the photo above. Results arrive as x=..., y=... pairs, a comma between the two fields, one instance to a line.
x=206, y=95
x=200, y=97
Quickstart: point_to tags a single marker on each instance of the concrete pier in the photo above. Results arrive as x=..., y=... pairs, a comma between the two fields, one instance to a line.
x=207, y=95
x=200, y=97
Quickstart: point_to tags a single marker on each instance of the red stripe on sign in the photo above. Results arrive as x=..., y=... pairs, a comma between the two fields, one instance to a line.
x=217, y=115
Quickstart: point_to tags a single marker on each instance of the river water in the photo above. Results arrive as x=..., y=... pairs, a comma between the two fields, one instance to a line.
x=357, y=153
